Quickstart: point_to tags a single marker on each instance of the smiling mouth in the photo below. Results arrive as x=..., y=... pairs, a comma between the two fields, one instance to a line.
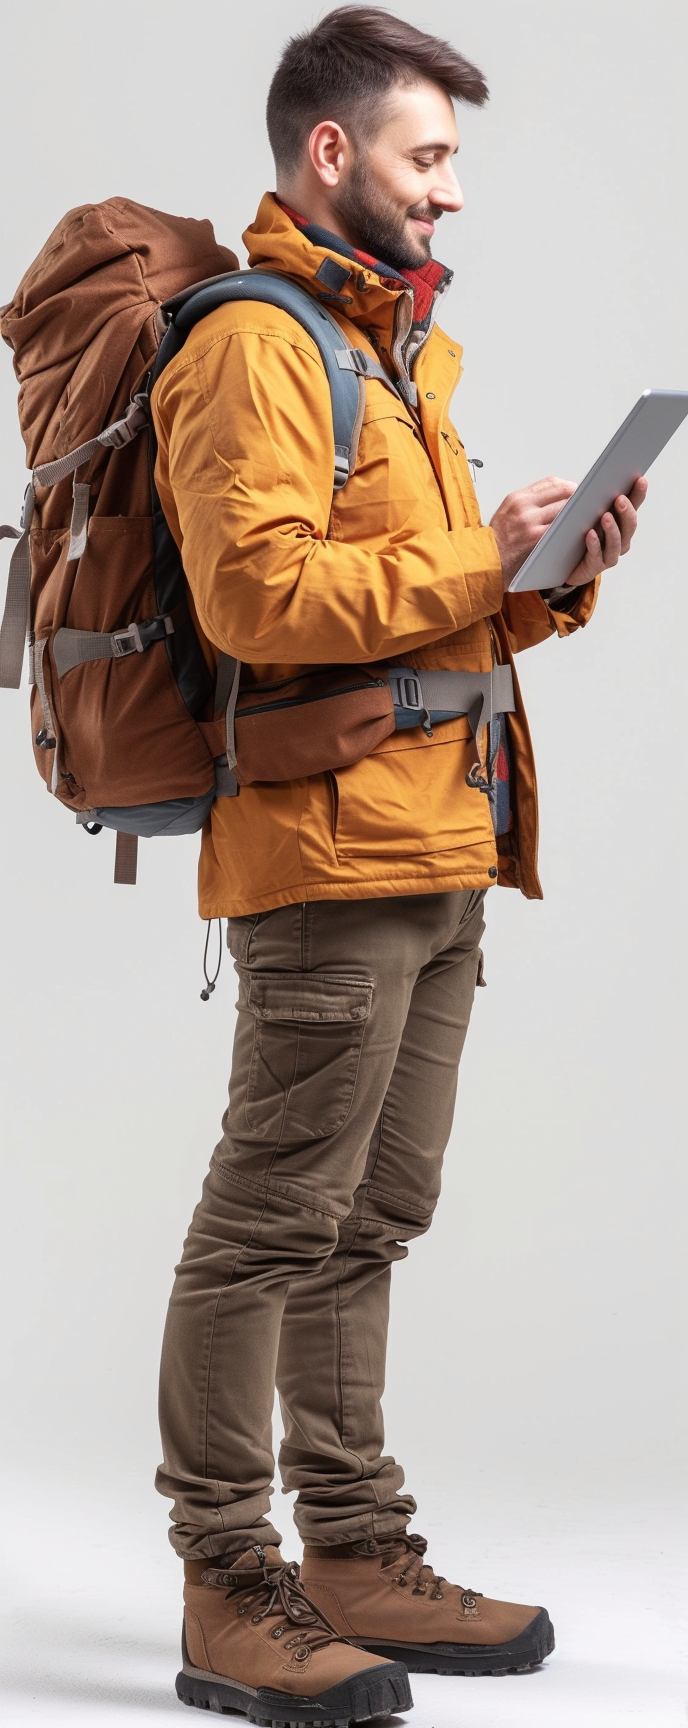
x=424, y=222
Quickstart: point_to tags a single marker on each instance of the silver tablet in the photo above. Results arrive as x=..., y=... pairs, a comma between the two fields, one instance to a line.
x=644, y=433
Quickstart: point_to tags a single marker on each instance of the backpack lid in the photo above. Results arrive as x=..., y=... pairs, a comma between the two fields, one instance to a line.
x=82, y=321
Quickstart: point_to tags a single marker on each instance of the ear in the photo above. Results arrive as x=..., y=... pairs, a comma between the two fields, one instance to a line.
x=329, y=149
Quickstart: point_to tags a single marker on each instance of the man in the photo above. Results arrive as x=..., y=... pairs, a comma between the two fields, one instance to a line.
x=354, y=899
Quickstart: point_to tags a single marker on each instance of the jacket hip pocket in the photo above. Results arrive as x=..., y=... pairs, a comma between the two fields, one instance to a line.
x=307, y=1037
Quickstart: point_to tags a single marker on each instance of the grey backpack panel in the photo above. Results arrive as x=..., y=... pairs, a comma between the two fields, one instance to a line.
x=173, y=816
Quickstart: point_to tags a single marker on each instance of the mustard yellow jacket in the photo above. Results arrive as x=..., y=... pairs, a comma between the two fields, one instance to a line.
x=399, y=565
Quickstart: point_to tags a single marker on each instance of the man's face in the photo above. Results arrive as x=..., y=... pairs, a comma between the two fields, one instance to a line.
x=393, y=190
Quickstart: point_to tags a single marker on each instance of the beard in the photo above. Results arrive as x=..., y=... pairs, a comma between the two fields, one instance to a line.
x=379, y=225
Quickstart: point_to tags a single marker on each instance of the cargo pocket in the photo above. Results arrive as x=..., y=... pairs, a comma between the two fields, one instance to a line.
x=308, y=1032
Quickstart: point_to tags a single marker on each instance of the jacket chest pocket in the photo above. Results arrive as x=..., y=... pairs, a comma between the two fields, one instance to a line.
x=458, y=477
x=394, y=488
x=307, y=1036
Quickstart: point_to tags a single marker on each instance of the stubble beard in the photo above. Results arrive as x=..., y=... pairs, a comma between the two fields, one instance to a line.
x=379, y=225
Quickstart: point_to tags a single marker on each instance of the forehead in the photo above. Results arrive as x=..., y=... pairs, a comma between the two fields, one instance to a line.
x=420, y=115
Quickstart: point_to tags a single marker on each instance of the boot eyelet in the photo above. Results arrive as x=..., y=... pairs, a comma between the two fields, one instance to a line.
x=437, y=1596
x=241, y=1610
x=278, y=1632
x=301, y=1655
x=255, y=1619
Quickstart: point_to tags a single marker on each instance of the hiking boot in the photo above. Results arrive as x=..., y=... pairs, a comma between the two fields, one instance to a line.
x=384, y=1597
x=253, y=1642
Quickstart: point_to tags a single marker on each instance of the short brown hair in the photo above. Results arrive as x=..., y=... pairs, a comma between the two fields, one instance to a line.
x=354, y=55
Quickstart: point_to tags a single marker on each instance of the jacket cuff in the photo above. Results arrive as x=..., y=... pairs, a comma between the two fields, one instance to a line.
x=572, y=614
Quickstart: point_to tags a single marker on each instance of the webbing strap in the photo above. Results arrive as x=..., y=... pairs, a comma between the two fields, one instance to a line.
x=356, y=360
x=229, y=717
x=75, y=647
x=478, y=695
x=226, y=667
x=15, y=620
x=113, y=438
x=78, y=527
x=45, y=738
x=226, y=783
x=126, y=854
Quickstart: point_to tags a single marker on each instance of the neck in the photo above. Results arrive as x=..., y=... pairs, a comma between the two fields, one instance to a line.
x=313, y=207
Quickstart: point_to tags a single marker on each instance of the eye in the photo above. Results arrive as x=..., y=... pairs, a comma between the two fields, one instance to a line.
x=422, y=162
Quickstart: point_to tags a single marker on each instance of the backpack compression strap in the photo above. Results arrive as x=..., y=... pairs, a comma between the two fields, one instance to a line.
x=15, y=621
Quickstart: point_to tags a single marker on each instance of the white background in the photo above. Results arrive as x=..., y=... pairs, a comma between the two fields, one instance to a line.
x=536, y=1388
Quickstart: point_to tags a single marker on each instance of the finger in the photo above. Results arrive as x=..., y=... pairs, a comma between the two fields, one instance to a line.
x=543, y=491
x=638, y=492
x=627, y=519
x=547, y=513
x=590, y=566
x=612, y=541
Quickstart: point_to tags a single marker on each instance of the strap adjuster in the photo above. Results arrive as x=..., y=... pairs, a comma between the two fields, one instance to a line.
x=341, y=466
x=126, y=642
x=408, y=693
x=137, y=637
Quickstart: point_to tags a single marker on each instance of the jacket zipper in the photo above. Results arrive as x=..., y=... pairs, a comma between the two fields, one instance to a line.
x=301, y=701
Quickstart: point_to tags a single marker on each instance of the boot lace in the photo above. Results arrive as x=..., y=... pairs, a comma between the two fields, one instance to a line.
x=277, y=1591
x=406, y=1554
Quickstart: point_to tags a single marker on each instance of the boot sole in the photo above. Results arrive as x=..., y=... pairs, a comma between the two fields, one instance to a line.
x=374, y=1693
x=519, y=1656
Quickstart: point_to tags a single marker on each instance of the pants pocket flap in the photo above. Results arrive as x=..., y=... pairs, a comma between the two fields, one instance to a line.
x=303, y=999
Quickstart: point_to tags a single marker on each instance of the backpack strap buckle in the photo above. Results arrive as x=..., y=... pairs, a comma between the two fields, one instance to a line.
x=126, y=642
x=406, y=690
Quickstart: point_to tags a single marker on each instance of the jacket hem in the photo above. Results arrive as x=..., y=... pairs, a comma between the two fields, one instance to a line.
x=373, y=888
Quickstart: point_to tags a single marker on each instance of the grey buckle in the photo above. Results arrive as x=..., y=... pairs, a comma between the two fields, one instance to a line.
x=127, y=642
x=341, y=466
x=408, y=690
x=27, y=507
x=134, y=420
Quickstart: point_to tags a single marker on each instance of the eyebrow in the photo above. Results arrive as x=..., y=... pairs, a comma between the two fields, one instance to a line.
x=417, y=149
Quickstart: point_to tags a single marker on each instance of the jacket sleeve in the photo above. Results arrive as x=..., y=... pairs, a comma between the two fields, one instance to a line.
x=245, y=467
x=530, y=619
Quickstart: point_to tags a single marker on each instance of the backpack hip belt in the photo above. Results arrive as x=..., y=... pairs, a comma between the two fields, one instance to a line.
x=327, y=718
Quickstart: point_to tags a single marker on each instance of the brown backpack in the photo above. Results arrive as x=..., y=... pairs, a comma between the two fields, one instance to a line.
x=83, y=328
x=136, y=740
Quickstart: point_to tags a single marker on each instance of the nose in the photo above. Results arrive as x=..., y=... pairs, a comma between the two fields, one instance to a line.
x=446, y=192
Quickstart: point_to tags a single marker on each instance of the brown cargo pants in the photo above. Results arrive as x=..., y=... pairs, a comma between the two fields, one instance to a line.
x=352, y=1019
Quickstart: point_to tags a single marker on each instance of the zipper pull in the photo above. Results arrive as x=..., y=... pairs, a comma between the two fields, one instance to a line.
x=473, y=463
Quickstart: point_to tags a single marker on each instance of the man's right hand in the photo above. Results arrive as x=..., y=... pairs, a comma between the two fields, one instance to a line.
x=524, y=517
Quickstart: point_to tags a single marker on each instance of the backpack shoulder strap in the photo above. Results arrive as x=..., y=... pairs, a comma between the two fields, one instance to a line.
x=346, y=367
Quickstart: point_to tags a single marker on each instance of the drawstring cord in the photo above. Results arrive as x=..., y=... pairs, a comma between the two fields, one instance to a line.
x=211, y=982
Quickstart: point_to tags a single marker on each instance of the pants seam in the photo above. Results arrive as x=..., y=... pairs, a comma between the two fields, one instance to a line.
x=242, y=1252
x=340, y=1280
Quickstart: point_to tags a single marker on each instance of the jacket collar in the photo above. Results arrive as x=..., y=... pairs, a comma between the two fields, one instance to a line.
x=425, y=283
x=395, y=309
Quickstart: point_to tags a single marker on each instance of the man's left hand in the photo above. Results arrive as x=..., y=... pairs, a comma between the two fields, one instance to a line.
x=603, y=550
